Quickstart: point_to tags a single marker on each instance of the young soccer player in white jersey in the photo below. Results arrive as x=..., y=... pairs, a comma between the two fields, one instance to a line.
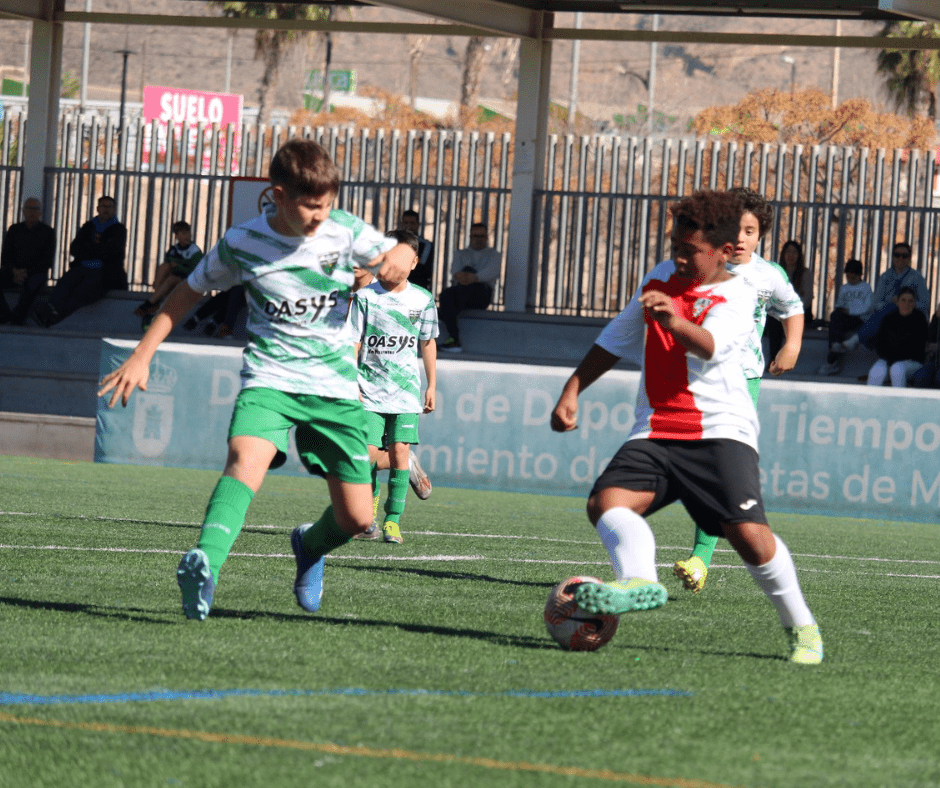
x=695, y=434
x=776, y=297
x=390, y=321
x=299, y=368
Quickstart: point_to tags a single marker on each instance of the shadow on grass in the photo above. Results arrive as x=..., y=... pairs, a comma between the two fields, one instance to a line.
x=442, y=575
x=102, y=611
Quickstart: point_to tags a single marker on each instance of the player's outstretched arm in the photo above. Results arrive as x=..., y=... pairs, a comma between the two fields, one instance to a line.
x=595, y=363
x=135, y=371
x=790, y=352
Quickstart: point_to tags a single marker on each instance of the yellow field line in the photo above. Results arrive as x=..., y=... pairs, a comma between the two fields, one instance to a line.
x=365, y=752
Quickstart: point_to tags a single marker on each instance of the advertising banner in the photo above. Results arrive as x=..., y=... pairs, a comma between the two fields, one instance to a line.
x=192, y=107
x=832, y=449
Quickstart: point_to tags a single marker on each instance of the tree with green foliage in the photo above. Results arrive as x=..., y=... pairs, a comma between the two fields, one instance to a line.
x=911, y=75
x=270, y=45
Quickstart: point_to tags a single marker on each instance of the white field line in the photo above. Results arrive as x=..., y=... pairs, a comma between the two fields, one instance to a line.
x=440, y=558
x=288, y=529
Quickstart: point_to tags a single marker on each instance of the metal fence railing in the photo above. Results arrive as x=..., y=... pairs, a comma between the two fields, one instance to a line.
x=600, y=220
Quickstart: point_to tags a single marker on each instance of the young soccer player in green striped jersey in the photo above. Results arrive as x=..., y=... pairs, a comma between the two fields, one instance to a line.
x=299, y=369
x=390, y=321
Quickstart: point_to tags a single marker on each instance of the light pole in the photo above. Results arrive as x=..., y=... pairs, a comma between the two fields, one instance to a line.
x=792, y=62
x=122, y=132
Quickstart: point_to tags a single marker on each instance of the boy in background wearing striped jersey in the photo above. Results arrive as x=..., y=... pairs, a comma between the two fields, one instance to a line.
x=389, y=322
x=694, y=438
x=776, y=297
x=299, y=369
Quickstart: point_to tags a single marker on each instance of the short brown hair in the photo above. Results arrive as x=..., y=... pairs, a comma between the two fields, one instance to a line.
x=716, y=214
x=303, y=169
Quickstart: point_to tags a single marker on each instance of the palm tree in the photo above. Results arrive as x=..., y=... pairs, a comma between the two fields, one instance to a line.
x=911, y=75
x=270, y=45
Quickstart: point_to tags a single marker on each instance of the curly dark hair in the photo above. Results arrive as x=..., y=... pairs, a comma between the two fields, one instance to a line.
x=716, y=214
x=756, y=204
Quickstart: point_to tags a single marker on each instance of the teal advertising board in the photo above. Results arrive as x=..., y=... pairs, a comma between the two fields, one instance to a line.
x=825, y=448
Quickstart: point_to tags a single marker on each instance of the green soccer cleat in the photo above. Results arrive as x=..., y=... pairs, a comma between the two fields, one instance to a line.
x=392, y=533
x=692, y=572
x=806, y=646
x=620, y=596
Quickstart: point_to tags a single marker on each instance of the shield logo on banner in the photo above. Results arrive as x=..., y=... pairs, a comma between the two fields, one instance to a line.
x=153, y=423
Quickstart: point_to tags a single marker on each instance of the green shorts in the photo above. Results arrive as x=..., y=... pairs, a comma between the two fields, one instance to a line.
x=385, y=428
x=331, y=433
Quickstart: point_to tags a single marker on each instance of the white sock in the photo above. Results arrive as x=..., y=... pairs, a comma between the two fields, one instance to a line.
x=629, y=542
x=778, y=580
x=851, y=343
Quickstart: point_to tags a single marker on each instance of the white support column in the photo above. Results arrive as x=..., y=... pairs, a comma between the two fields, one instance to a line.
x=43, y=109
x=535, y=56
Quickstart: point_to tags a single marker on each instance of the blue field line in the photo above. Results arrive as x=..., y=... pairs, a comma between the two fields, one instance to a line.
x=15, y=699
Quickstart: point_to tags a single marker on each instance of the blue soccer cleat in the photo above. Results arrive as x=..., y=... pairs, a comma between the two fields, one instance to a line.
x=196, y=583
x=308, y=585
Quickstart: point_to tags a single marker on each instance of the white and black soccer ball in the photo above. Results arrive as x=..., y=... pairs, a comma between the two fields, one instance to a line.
x=574, y=629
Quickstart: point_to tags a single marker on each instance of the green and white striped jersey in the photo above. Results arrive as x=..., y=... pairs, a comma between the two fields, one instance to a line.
x=775, y=296
x=297, y=290
x=389, y=326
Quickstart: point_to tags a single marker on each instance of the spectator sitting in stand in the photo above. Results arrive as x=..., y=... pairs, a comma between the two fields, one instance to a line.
x=178, y=263
x=424, y=270
x=475, y=271
x=853, y=307
x=97, y=266
x=887, y=290
x=900, y=343
x=25, y=261
x=222, y=310
x=791, y=261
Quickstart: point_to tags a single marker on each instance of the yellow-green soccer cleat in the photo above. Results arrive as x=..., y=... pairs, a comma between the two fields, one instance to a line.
x=806, y=646
x=692, y=572
x=391, y=533
x=620, y=596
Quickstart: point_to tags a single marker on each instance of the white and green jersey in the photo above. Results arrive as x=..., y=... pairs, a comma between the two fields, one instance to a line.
x=389, y=326
x=298, y=291
x=775, y=297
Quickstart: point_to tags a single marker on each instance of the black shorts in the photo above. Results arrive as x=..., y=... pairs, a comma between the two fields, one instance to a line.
x=718, y=481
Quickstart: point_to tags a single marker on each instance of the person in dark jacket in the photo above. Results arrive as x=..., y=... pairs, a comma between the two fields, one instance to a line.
x=901, y=342
x=25, y=260
x=97, y=266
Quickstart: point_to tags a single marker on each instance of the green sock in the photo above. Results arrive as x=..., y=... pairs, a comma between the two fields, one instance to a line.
x=704, y=546
x=325, y=535
x=397, y=493
x=225, y=516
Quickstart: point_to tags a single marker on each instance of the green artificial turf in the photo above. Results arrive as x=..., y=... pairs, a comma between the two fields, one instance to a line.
x=429, y=663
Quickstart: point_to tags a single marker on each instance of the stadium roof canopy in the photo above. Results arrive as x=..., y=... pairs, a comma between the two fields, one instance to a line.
x=533, y=22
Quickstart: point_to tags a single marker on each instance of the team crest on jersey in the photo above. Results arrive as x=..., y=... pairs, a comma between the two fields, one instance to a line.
x=701, y=306
x=328, y=262
x=414, y=315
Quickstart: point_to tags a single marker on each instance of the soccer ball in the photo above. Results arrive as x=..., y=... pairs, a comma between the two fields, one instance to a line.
x=573, y=629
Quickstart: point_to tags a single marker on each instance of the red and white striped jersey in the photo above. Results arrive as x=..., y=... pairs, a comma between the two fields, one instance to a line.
x=682, y=396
